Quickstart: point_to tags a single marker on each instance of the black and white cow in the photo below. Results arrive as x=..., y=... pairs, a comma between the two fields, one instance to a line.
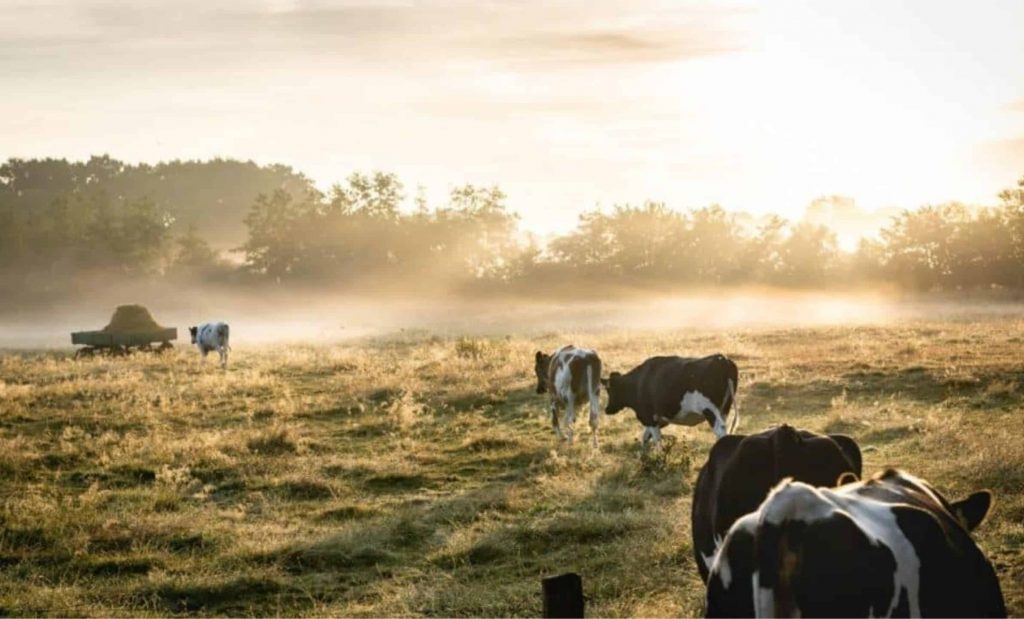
x=889, y=546
x=741, y=470
x=212, y=336
x=572, y=375
x=676, y=390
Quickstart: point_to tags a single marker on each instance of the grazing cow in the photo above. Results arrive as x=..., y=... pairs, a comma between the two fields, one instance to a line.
x=212, y=336
x=677, y=390
x=888, y=546
x=570, y=375
x=741, y=470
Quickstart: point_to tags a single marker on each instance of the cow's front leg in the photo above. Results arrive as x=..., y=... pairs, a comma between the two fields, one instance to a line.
x=714, y=419
x=553, y=406
x=223, y=358
x=651, y=436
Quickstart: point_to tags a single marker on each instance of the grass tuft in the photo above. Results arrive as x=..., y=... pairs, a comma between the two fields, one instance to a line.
x=277, y=442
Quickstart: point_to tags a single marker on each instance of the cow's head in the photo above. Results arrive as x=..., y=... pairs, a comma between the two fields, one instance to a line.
x=969, y=512
x=615, y=388
x=193, y=331
x=540, y=367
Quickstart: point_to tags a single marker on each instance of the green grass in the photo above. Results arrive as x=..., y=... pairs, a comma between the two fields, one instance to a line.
x=418, y=474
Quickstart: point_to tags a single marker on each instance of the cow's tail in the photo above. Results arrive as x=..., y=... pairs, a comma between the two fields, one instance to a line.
x=730, y=396
x=783, y=554
x=771, y=591
x=594, y=386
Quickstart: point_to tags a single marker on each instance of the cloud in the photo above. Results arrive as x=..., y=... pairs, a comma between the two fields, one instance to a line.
x=100, y=35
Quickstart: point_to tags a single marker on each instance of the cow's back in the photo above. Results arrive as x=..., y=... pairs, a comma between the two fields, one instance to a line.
x=866, y=549
x=741, y=471
x=661, y=381
x=568, y=371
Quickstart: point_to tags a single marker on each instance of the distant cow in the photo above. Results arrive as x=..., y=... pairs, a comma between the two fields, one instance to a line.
x=741, y=470
x=212, y=336
x=888, y=546
x=571, y=375
x=676, y=390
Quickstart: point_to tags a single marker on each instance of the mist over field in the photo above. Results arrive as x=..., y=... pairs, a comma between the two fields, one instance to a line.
x=309, y=318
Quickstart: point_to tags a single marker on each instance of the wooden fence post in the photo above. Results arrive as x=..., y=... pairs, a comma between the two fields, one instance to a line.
x=563, y=596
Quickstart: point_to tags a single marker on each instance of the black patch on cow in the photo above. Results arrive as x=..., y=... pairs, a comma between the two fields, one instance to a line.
x=578, y=373
x=903, y=606
x=826, y=568
x=956, y=580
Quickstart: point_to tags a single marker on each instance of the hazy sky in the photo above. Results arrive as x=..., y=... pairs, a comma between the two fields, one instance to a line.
x=566, y=105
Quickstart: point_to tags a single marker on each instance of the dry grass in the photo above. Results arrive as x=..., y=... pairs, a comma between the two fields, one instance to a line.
x=417, y=475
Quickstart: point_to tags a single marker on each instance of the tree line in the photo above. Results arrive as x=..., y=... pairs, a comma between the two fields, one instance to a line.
x=60, y=219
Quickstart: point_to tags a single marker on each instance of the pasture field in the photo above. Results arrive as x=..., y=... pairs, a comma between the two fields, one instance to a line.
x=417, y=474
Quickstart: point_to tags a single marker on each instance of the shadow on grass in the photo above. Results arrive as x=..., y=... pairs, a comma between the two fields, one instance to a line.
x=240, y=596
x=383, y=542
x=915, y=382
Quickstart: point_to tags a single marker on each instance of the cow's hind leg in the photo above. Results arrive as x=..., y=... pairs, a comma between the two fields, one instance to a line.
x=570, y=417
x=595, y=416
x=223, y=357
x=553, y=406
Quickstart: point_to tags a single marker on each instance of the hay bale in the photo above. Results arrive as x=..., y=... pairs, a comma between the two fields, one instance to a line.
x=132, y=319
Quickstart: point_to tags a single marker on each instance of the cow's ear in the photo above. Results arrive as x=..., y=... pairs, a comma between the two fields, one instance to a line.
x=846, y=478
x=972, y=510
x=539, y=357
x=851, y=450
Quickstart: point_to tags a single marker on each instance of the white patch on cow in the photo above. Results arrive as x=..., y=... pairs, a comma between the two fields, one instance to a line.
x=709, y=559
x=563, y=379
x=719, y=567
x=764, y=599
x=795, y=501
x=691, y=412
